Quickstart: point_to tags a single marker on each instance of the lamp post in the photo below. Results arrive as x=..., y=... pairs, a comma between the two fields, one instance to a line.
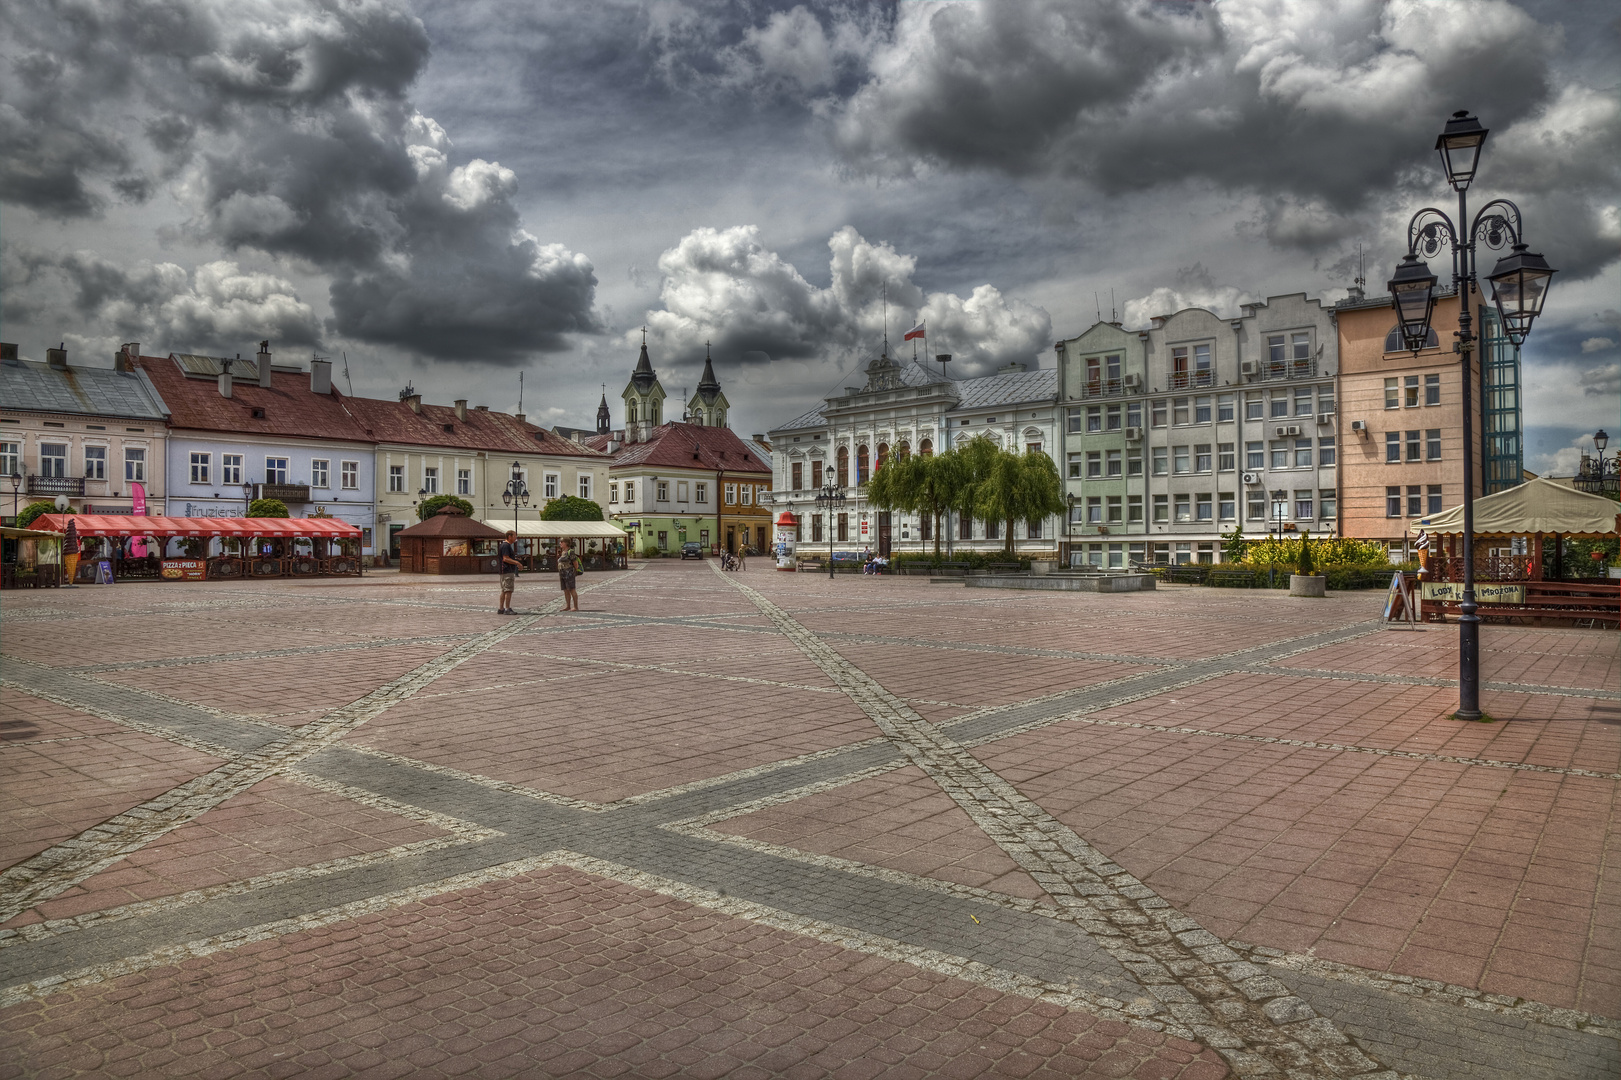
x=1600, y=474
x=516, y=494
x=16, y=486
x=1519, y=287
x=247, y=499
x=831, y=497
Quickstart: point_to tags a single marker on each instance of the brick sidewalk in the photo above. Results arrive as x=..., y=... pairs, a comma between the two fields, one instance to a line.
x=763, y=824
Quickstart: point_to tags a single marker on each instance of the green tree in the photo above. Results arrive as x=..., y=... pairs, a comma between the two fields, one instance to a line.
x=1233, y=545
x=915, y=485
x=264, y=508
x=1303, y=565
x=431, y=506
x=32, y=511
x=571, y=508
x=1011, y=488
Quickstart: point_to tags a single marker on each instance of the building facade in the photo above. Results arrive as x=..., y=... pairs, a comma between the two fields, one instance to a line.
x=85, y=434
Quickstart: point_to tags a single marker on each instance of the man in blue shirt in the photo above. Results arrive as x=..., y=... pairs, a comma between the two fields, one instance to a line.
x=507, y=556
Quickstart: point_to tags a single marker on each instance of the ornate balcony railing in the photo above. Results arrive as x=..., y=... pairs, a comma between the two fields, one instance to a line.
x=1103, y=388
x=56, y=485
x=1288, y=369
x=1183, y=380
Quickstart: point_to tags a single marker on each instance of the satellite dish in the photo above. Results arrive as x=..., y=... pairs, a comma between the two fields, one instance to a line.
x=62, y=504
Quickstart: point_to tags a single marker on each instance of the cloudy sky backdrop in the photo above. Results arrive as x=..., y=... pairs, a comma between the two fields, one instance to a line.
x=449, y=192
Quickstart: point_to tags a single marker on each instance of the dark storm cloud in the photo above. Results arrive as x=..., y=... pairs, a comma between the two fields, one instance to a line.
x=286, y=128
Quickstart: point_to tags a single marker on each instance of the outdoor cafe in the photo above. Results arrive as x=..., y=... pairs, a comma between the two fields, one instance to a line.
x=124, y=547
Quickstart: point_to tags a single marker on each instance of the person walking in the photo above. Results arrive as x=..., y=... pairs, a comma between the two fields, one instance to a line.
x=569, y=567
x=507, y=557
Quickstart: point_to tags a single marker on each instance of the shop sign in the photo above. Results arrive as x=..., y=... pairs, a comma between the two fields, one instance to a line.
x=1486, y=592
x=185, y=569
x=204, y=510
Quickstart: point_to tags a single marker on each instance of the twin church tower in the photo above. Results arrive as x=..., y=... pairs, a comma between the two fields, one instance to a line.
x=644, y=402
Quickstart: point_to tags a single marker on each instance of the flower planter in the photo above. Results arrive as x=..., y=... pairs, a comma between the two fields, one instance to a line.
x=1308, y=585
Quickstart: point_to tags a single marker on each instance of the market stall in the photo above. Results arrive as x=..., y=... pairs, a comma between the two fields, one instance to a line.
x=601, y=543
x=449, y=542
x=1524, y=563
x=30, y=559
x=124, y=547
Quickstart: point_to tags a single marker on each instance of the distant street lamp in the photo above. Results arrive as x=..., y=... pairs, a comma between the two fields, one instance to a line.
x=829, y=499
x=516, y=494
x=16, y=486
x=1600, y=474
x=1519, y=287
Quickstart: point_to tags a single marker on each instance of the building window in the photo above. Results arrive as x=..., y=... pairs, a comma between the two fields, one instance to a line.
x=135, y=464
x=320, y=473
x=1201, y=410
x=1134, y=463
x=1203, y=508
x=797, y=471
x=680, y=491
x=816, y=528
x=1302, y=453
x=1227, y=506
x=730, y=496
x=1134, y=414
x=1112, y=463
x=584, y=483
x=1134, y=508
x=231, y=469
x=1094, y=464
x=552, y=484
x=816, y=475
x=1094, y=419
x=1392, y=393
x=1076, y=466
x=1256, y=504
x=1112, y=505
x=275, y=470
x=1111, y=417
x=1180, y=456
x=925, y=527
x=1280, y=455
x=1201, y=457
x=1392, y=447
x=1280, y=404
x=199, y=468
x=1303, y=401
x=1184, y=510
x=844, y=527
x=1032, y=530
x=1432, y=444
x=430, y=479
x=861, y=466
x=1303, y=506
x=396, y=478
x=464, y=481
x=1325, y=399
x=993, y=530
x=630, y=491
x=1161, y=461
x=662, y=492
x=1414, y=446
x=349, y=471
x=1226, y=458
x=95, y=462
x=1325, y=450
x=1432, y=389
x=1432, y=497
x=613, y=493
x=1094, y=510
x=1415, y=500
x=1254, y=455
x=1280, y=505
x=1076, y=420
x=1328, y=504
x=53, y=459
x=745, y=494
x=1179, y=411
x=1254, y=406
x=11, y=459
x=1410, y=391
x=1157, y=413
x=844, y=466
x=1393, y=502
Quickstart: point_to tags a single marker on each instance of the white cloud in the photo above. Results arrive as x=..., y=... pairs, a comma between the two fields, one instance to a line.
x=1597, y=344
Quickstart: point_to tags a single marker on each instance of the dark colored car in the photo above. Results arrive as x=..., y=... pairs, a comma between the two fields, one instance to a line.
x=692, y=550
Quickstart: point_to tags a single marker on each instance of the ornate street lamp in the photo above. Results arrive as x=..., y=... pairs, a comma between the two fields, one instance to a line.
x=16, y=486
x=1519, y=287
x=1600, y=475
x=516, y=494
x=830, y=498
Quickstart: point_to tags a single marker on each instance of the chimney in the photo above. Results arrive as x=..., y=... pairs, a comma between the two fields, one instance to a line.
x=1013, y=367
x=124, y=359
x=321, y=377
x=415, y=401
x=58, y=357
x=264, y=365
x=461, y=409
x=8, y=352
x=519, y=417
x=225, y=380
x=481, y=408
x=758, y=437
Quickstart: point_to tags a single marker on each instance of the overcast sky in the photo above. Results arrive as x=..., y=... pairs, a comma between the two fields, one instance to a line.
x=449, y=192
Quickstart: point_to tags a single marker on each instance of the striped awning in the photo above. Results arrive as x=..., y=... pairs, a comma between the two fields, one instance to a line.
x=131, y=525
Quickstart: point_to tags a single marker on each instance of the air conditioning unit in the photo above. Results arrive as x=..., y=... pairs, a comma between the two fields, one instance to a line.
x=1250, y=368
x=1132, y=382
x=1134, y=434
x=1360, y=427
x=1292, y=429
x=1325, y=418
x=1252, y=478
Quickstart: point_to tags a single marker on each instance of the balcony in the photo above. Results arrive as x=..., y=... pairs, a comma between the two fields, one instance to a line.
x=1274, y=370
x=1183, y=380
x=56, y=485
x=287, y=493
x=1099, y=388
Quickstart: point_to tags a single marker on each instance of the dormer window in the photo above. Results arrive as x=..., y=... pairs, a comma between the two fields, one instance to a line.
x=450, y=428
x=257, y=412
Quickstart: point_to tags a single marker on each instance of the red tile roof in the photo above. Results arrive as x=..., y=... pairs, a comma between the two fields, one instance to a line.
x=437, y=425
x=688, y=446
x=289, y=406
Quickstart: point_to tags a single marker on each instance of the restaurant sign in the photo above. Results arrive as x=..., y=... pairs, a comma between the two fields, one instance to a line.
x=1486, y=592
x=185, y=569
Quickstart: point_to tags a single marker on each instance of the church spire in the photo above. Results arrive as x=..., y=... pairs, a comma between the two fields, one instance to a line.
x=604, y=417
x=708, y=386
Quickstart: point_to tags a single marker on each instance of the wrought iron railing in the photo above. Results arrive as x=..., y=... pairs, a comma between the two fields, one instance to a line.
x=1183, y=380
x=1104, y=388
x=1288, y=369
x=56, y=485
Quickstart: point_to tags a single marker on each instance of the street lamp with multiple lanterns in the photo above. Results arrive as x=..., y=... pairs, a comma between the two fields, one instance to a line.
x=1519, y=287
x=830, y=498
x=1599, y=474
x=516, y=494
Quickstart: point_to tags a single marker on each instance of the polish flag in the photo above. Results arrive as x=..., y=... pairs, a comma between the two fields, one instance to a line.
x=914, y=332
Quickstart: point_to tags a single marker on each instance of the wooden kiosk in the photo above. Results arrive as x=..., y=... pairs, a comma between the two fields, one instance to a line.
x=450, y=542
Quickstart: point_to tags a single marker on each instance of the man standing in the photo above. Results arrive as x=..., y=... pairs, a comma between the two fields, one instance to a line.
x=507, y=553
x=568, y=568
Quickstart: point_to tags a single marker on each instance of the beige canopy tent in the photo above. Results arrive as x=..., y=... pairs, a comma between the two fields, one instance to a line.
x=558, y=530
x=1533, y=508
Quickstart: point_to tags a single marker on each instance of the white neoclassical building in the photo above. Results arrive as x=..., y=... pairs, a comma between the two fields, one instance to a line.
x=901, y=408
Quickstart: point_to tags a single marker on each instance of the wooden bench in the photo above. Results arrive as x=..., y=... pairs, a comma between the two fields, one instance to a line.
x=1234, y=578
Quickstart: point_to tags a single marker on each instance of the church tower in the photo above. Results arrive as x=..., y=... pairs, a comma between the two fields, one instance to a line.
x=709, y=407
x=644, y=399
x=604, y=417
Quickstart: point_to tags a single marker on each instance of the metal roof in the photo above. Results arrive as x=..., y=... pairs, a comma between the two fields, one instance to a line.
x=27, y=386
x=1007, y=389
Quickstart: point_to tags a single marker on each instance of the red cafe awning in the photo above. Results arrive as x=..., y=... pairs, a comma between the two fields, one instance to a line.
x=130, y=525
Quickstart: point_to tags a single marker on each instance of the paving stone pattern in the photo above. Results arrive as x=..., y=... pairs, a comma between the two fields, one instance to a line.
x=766, y=825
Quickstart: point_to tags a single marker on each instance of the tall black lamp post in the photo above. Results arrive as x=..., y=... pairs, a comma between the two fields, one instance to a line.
x=1519, y=286
x=16, y=486
x=830, y=498
x=517, y=493
x=1599, y=474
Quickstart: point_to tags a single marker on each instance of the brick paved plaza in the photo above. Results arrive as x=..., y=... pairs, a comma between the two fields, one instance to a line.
x=763, y=824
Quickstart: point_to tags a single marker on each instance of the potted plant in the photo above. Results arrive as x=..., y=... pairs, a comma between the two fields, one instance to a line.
x=1306, y=581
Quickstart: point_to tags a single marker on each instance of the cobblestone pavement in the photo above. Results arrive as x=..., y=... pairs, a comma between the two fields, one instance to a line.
x=765, y=824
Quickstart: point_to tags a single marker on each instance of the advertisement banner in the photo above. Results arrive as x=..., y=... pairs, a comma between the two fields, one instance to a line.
x=1486, y=592
x=185, y=569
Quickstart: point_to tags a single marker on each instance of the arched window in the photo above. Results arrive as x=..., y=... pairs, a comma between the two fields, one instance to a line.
x=630, y=412
x=925, y=448
x=1394, y=342
x=903, y=451
x=883, y=455
x=844, y=466
x=861, y=465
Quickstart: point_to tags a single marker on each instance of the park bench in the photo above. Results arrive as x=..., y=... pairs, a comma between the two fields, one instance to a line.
x=1233, y=578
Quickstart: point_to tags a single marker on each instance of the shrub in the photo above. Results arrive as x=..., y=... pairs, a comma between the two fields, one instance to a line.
x=1303, y=565
x=571, y=508
x=32, y=511
x=431, y=506
x=267, y=508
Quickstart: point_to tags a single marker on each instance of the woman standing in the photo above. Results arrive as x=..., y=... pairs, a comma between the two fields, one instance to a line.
x=569, y=567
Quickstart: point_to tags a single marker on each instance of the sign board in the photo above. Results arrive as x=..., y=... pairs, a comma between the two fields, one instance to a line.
x=784, y=548
x=1399, y=600
x=104, y=572
x=1486, y=592
x=185, y=569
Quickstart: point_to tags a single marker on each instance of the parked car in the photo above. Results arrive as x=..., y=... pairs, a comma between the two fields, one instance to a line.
x=692, y=550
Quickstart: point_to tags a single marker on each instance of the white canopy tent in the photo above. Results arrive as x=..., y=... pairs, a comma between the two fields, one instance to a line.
x=557, y=530
x=1538, y=506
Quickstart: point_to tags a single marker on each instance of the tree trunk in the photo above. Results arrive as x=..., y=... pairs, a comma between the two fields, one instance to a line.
x=1009, y=547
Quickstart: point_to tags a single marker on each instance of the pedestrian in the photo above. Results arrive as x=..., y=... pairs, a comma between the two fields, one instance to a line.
x=568, y=568
x=70, y=553
x=507, y=559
